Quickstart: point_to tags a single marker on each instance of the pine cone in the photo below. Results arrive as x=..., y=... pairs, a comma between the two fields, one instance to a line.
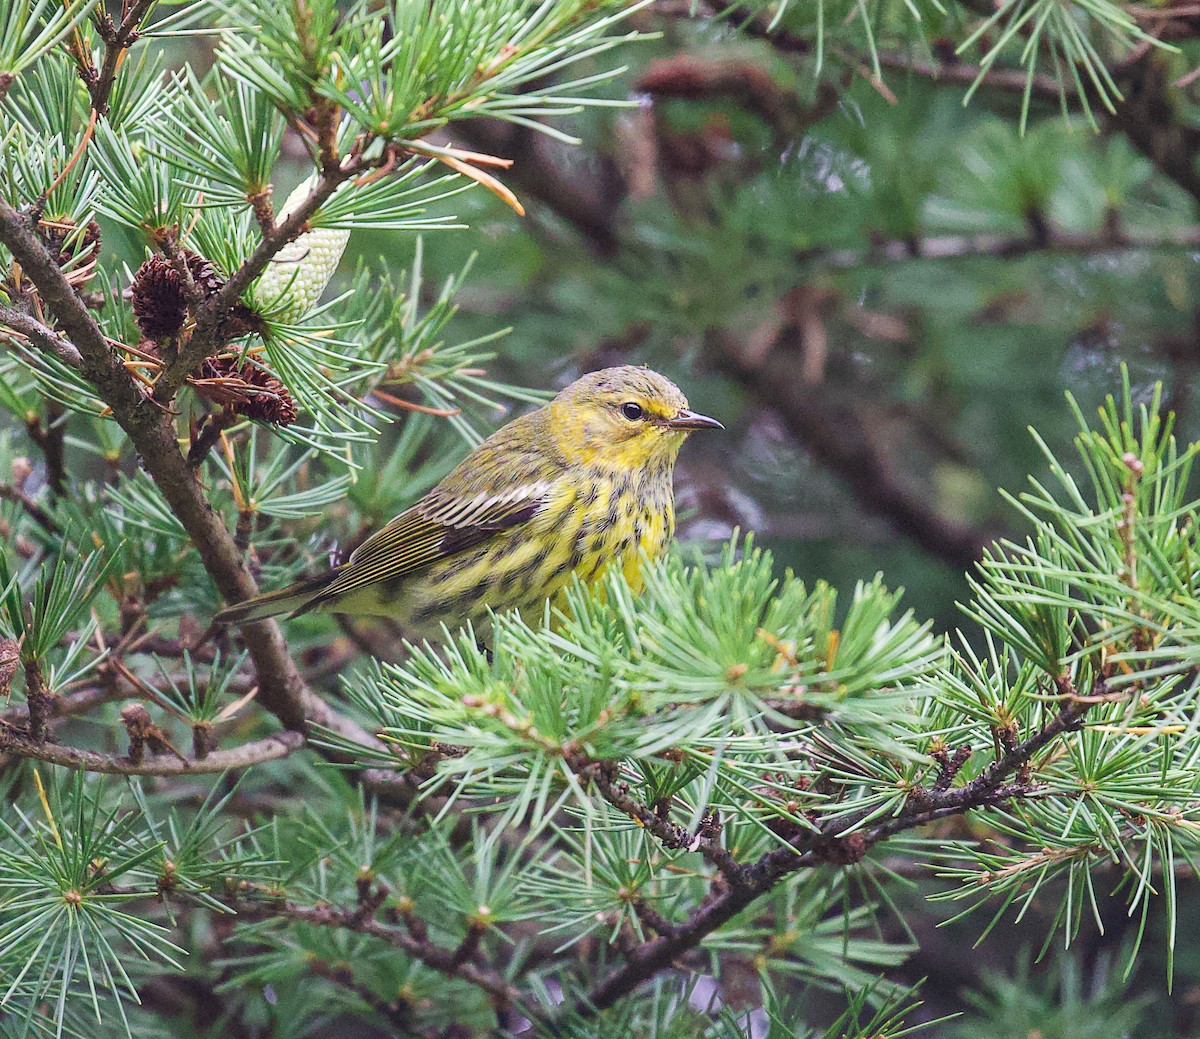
x=159, y=301
x=272, y=403
x=77, y=255
x=246, y=390
x=56, y=232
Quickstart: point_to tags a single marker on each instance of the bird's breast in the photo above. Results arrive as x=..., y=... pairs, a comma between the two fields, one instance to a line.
x=620, y=516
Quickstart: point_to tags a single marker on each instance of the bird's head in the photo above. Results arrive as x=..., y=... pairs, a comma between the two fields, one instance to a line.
x=623, y=417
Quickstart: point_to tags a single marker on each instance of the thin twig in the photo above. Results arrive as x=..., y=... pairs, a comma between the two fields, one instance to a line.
x=208, y=434
x=174, y=253
x=1015, y=81
x=434, y=956
x=9, y=492
x=44, y=338
x=117, y=41
x=51, y=440
x=205, y=336
x=41, y=700
x=616, y=792
x=78, y=702
x=397, y=1012
x=280, y=745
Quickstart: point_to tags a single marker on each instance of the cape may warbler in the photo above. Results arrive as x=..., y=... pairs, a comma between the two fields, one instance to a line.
x=579, y=485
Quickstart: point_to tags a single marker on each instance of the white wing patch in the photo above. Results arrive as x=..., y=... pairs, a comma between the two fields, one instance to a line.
x=469, y=512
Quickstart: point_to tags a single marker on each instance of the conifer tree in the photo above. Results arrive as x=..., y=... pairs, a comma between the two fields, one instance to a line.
x=601, y=825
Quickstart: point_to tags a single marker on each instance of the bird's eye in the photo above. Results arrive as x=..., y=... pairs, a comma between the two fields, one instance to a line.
x=632, y=411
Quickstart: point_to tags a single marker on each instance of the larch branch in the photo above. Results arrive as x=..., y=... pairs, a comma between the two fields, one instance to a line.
x=45, y=339
x=432, y=955
x=836, y=840
x=273, y=747
x=151, y=429
x=205, y=336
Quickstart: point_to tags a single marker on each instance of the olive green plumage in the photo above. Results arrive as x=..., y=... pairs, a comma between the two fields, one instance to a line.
x=579, y=485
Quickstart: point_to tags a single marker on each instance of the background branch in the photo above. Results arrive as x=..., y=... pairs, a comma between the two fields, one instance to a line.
x=588, y=200
x=279, y=745
x=846, y=443
x=433, y=956
x=835, y=840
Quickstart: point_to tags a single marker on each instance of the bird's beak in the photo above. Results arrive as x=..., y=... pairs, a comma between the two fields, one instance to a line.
x=690, y=420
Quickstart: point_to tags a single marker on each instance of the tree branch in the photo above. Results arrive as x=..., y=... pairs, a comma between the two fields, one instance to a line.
x=398, y=1012
x=208, y=434
x=835, y=840
x=279, y=745
x=117, y=40
x=64, y=706
x=1149, y=119
x=588, y=198
x=951, y=247
x=843, y=442
x=95, y=360
x=151, y=430
x=10, y=492
x=616, y=792
x=206, y=336
x=45, y=339
x=1042, y=86
x=433, y=956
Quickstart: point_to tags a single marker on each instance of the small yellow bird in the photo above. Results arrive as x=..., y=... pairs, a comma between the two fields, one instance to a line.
x=579, y=485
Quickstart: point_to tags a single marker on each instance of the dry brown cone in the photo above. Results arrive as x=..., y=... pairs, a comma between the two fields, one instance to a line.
x=160, y=297
x=84, y=250
x=246, y=389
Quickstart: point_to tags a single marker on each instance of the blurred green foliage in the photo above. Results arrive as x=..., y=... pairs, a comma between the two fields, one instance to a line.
x=928, y=279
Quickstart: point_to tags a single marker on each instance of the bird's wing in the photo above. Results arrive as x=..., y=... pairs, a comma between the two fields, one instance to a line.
x=435, y=528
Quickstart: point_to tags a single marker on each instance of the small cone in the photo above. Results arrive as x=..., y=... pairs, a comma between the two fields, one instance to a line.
x=159, y=298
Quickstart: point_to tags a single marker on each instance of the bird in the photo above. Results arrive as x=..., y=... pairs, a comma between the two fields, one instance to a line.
x=578, y=486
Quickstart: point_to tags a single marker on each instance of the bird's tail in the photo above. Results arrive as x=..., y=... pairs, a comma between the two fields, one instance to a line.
x=295, y=598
